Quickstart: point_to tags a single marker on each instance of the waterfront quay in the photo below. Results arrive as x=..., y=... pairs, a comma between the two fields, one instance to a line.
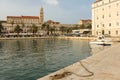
x=101, y=66
x=48, y=37
x=113, y=39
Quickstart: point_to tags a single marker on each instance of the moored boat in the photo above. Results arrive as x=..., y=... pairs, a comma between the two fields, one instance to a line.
x=101, y=41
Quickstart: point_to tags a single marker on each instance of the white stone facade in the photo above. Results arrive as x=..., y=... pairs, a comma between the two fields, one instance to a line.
x=106, y=17
x=24, y=21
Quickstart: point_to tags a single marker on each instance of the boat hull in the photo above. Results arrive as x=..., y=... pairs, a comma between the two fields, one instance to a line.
x=100, y=43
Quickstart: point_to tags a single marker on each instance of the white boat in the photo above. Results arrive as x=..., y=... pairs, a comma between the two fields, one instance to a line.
x=101, y=41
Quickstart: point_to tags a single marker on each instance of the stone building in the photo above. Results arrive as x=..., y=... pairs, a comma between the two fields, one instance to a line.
x=81, y=22
x=24, y=21
x=52, y=23
x=106, y=17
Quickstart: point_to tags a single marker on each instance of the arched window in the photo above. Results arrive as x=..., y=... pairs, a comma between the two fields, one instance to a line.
x=103, y=32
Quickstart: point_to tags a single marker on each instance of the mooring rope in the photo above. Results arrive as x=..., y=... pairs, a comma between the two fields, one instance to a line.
x=88, y=75
x=68, y=73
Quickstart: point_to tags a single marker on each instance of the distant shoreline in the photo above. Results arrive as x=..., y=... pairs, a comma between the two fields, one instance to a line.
x=59, y=37
x=16, y=38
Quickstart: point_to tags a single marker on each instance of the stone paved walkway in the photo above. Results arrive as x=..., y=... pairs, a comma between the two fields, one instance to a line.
x=104, y=65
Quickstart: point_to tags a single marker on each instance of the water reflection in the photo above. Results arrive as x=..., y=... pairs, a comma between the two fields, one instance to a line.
x=34, y=58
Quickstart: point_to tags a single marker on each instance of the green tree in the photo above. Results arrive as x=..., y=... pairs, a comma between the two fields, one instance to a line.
x=34, y=29
x=47, y=28
x=68, y=30
x=18, y=30
x=54, y=29
x=43, y=27
x=1, y=28
x=51, y=30
x=62, y=29
x=82, y=26
x=75, y=27
x=89, y=26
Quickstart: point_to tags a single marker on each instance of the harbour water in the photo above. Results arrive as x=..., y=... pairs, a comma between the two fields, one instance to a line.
x=31, y=59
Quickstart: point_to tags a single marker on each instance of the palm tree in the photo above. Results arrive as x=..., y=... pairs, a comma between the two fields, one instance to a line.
x=17, y=30
x=68, y=30
x=51, y=30
x=62, y=29
x=34, y=29
x=43, y=27
x=48, y=29
x=1, y=28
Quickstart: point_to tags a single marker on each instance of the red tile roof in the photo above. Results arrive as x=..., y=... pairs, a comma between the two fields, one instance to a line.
x=97, y=1
x=30, y=17
x=13, y=17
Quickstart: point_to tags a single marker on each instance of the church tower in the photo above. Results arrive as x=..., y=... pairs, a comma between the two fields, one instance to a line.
x=41, y=16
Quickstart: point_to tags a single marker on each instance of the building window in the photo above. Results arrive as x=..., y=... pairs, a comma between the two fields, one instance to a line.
x=97, y=25
x=103, y=16
x=103, y=25
x=103, y=2
x=109, y=24
x=102, y=9
x=117, y=23
x=97, y=18
x=117, y=14
x=117, y=4
x=103, y=32
x=97, y=32
x=109, y=15
x=116, y=32
x=109, y=32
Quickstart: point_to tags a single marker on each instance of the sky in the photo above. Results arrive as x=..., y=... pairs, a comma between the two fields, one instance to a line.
x=64, y=11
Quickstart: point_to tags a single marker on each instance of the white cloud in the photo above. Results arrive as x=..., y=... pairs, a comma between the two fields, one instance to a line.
x=52, y=2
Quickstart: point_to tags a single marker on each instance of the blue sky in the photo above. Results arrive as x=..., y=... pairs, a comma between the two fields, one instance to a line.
x=64, y=11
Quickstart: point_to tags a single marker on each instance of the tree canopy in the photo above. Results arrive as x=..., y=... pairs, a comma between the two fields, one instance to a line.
x=1, y=28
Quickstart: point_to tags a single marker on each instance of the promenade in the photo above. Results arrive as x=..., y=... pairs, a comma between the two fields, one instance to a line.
x=47, y=37
x=59, y=37
x=104, y=65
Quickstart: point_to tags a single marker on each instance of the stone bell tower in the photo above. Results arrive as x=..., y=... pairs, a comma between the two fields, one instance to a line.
x=41, y=17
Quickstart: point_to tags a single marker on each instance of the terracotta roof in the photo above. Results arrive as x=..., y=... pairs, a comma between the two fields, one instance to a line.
x=97, y=1
x=49, y=21
x=53, y=22
x=34, y=17
x=13, y=17
x=30, y=17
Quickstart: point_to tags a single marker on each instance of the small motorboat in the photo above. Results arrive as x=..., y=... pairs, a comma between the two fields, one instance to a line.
x=101, y=41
